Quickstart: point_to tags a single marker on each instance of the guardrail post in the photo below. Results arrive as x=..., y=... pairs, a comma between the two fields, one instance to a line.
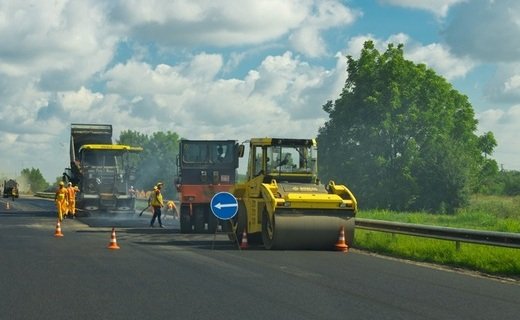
x=457, y=246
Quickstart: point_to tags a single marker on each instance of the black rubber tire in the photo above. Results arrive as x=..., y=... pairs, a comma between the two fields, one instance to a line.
x=198, y=213
x=185, y=220
x=268, y=230
x=212, y=223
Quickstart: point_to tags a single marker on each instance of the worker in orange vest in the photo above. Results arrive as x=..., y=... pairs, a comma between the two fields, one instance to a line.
x=72, y=200
x=61, y=200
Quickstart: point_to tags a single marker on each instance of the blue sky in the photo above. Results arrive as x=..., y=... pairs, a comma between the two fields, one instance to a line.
x=232, y=69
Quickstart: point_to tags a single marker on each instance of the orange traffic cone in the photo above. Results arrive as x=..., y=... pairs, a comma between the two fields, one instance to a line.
x=243, y=243
x=113, y=242
x=58, y=233
x=341, y=244
x=7, y=206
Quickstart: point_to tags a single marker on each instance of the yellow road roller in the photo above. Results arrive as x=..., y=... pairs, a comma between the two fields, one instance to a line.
x=282, y=203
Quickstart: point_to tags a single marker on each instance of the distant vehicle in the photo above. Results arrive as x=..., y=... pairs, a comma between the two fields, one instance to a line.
x=204, y=168
x=100, y=169
x=10, y=189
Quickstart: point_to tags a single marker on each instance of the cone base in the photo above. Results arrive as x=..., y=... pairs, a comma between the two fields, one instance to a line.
x=341, y=247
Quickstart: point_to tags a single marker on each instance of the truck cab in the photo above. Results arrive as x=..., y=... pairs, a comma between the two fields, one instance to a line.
x=204, y=168
x=101, y=170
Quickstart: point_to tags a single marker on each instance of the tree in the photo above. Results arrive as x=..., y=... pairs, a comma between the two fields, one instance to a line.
x=401, y=137
x=35, y=180
x=157, y=162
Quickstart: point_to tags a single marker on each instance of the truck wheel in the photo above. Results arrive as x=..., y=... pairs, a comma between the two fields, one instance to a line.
x=185, y=220
x=267, y=230
x=199, y=219
x=212, y=223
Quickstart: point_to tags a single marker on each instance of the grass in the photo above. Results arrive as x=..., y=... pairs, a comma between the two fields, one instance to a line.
x=484, y=213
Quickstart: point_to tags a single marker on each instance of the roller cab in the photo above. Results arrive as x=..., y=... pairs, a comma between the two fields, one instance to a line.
x=283, y=205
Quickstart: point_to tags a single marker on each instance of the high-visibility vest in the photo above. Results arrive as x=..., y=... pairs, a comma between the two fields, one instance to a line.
x=157, y=200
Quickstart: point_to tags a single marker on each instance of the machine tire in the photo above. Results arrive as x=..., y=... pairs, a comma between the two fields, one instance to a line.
x=212, y=223
x=185, y=220
x=268, y=230
x=199, y=219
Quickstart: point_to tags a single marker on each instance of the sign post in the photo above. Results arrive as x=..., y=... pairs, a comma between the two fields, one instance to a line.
x=224, y=206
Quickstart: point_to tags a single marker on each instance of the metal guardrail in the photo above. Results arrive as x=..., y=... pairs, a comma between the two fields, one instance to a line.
x=492, y=238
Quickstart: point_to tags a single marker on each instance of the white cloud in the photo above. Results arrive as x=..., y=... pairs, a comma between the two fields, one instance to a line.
x=439, y=58
x=283, y=89
x=486, y=30
x=203, y=69
x=504, y=125
x=438, y=7
x=434, y=55
x=64, y=42
x=308, y=40
x=512, y=84
x=216, y=23
x=504, y=85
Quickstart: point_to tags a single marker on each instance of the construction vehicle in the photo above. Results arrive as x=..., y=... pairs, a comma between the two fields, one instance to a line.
x=101, y=170
x=282, y=203
x=10, y=189
x=204, y=168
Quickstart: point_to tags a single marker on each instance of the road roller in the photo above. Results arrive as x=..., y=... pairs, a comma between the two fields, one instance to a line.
x=282, y=203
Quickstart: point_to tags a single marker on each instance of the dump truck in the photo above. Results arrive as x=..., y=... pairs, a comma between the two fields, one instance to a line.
x=10, y=189
x=282, y=203
x=101, y=170
x=204, y=168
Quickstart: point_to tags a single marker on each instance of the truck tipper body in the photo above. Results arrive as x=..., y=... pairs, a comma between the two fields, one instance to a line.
x=101, y=170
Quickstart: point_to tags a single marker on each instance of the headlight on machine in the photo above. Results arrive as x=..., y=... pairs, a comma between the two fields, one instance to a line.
x=342, y=205
x=287, y=204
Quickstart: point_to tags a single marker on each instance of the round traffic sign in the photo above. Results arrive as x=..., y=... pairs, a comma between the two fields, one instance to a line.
x=224, y=205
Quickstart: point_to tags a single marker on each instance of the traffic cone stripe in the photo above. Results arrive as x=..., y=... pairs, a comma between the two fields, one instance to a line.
x=113, y=241
x=341, y=245
x=58, y=233
x=243, y=244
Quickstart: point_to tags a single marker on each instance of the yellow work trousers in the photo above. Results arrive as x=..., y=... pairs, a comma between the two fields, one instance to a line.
x=61, y=205
x=72, y=208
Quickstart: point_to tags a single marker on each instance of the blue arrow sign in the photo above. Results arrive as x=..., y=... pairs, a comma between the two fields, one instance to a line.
x=224, y=205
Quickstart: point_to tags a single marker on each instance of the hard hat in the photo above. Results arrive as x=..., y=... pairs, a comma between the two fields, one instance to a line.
x=61, y=183
x=70, y=183
x=159, y=183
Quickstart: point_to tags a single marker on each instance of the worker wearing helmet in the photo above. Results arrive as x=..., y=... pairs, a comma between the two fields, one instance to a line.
x=61, y=200
x=72, y=200
x=157, y=203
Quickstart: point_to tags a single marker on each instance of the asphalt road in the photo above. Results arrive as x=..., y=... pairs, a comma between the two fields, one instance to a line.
x=162, y=274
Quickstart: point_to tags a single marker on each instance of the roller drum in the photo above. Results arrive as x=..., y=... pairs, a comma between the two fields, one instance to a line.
x=307, y=229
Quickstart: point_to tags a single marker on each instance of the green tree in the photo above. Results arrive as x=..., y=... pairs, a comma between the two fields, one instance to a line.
x=34, y=179
x=158, y=160
x=401, y=137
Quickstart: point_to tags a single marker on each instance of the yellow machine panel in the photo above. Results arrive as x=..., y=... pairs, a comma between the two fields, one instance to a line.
x=283, y=205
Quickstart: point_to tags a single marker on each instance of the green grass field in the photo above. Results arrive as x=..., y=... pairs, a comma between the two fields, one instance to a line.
x=484, y=213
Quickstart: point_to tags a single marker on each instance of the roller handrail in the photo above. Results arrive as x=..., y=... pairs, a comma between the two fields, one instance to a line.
x=492, y=238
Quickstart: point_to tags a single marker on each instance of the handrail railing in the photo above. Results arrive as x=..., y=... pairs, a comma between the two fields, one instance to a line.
x=493, y=238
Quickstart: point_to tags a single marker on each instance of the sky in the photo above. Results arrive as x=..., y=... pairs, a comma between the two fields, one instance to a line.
x=233, y=69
